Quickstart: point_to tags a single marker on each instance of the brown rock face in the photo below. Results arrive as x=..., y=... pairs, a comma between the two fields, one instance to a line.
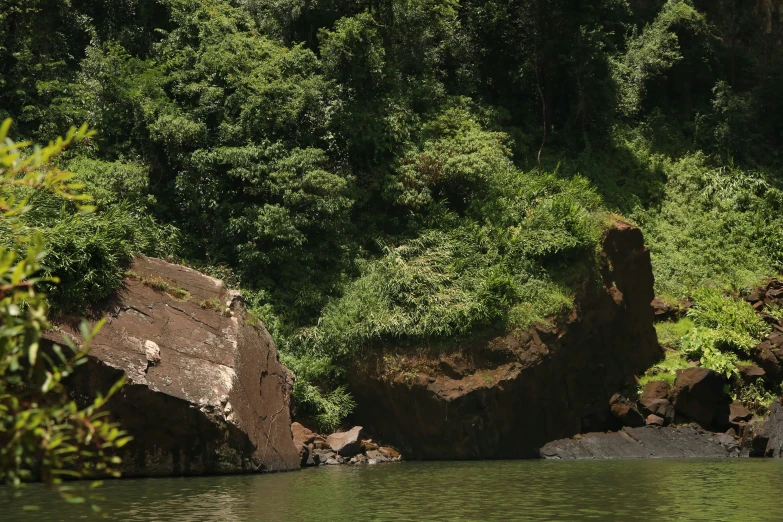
x=655, y=390
x=698, y=394
x=302, y=434
x=205, y=391
x=506, y=396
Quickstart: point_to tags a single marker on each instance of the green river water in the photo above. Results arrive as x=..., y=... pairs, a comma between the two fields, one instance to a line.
x=731, y=489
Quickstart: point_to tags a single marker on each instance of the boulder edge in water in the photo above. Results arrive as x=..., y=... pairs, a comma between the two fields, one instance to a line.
x=205, y=391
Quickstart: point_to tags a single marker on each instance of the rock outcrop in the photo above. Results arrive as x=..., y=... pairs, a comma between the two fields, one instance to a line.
x=768, y=440
x=342, y=447
x=645, y=443
x=506, y=396
x=698, y=394
x=205, y=391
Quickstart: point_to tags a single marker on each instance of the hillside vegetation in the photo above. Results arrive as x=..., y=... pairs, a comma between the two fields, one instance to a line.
x=402, y=172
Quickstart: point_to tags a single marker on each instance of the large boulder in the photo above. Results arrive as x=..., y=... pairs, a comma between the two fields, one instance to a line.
x=506, y=394
x=698, y=394
x=205, y=392
x=346, y=443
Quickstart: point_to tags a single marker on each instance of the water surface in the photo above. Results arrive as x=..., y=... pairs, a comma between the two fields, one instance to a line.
x=731, y=489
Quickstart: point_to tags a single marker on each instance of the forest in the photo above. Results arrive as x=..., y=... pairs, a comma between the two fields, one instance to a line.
x=406, y=172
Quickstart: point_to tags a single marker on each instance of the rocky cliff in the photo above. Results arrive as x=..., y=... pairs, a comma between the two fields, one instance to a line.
x=205, y=391
x=506, y=396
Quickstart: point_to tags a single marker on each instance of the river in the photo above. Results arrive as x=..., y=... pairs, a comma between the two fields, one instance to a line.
x=730, y=489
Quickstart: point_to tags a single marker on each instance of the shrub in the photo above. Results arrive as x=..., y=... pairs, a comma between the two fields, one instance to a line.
x=44, y=434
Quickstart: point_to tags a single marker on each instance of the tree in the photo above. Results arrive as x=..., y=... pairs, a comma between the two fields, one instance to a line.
x=43, y=433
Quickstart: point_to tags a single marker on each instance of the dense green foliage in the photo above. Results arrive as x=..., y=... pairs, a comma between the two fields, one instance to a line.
x=44, y=433
x=403, y=172
x=719, y=332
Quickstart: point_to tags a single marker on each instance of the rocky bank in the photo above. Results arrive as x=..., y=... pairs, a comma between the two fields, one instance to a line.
x=506, y=396
x=207, y=394
x=654, y=424
x=205, y=391
x=342, y=447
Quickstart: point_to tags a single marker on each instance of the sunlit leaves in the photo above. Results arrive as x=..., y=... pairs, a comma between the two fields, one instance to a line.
x=44, y=434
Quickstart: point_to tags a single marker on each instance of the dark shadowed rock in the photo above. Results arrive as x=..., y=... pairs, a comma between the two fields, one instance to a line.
x=625, y=411
x=655, y=390
x=304, y=452
x=205, y=391
x=698, y=394
x=346, y=443
x=661, y=310
x=509, y=393
x=660, y=407
x=646, y=442
x=322, y=455
x=766, y=356
x=389, y=453
x=768, y=439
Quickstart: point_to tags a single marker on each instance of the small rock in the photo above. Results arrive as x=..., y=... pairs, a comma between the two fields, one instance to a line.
x=372, y=461
x=332, y=462
x=750, y=373
x=654, y=420
x=765, y=357
x=739, y=413
x=304, y=452
x=321, y=444
x=655, y=390
x=377, y=456
x=775, y=293
x=661, y=310
x=389, y=452
x=727, y=441
x=625, y=411
x=369, y=445
x=346, y=443
x=359, y=459
x=321, y=455
x=302, y=434
x=659, y=407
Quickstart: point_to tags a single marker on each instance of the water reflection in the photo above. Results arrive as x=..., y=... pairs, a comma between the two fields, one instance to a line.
x=737, y=489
